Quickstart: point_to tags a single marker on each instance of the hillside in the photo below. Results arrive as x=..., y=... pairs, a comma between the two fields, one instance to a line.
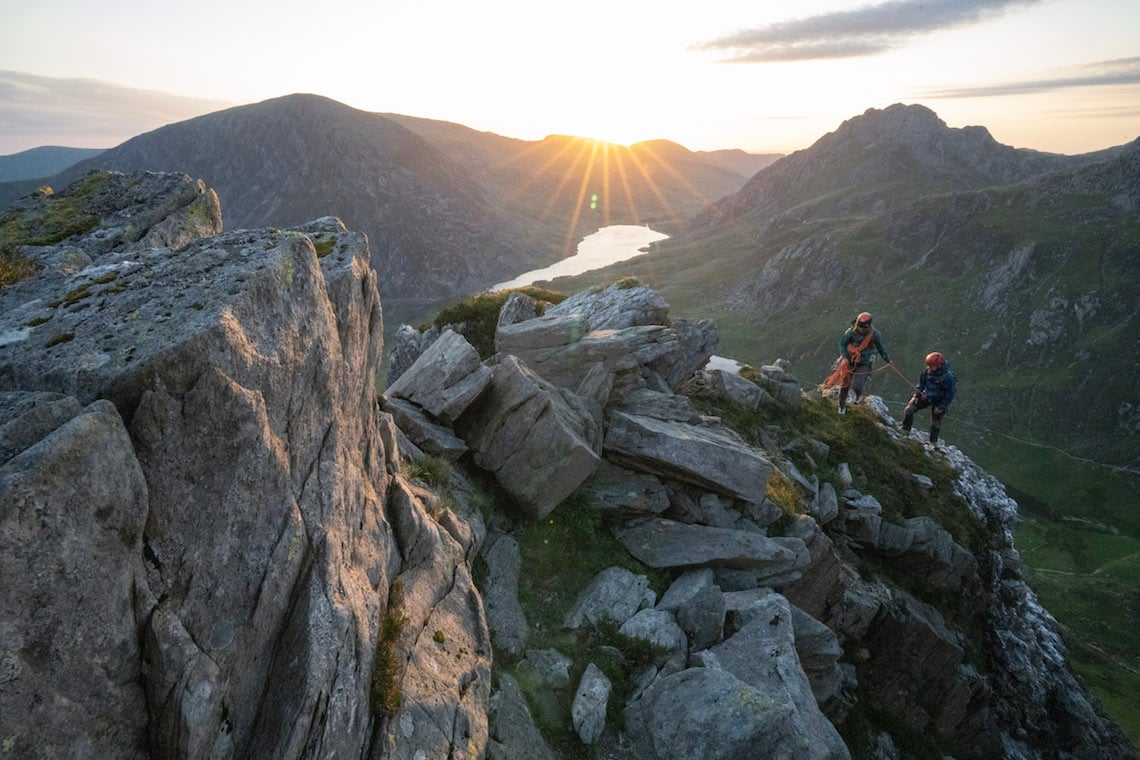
x=45, y=161
x=1022, y=266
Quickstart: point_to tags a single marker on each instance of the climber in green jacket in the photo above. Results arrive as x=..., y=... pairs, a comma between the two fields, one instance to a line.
x=857, y=349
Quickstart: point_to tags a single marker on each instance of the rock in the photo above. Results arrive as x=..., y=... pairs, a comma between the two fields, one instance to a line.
x=825, y=507
x=625, y=492
x=711, y=714
x=73, y=502
x=588, y=710
x=540, y=442
x=505, y=616
x=744, y=392
x=407, y=346
x=715, y=459
x=762, y=654
x=563, y=350
x=445, y=379
x=695, y=344
x=615, y=594
x=659, y=628
x=513, y=735
x=701, y=617
x=663, y=543
x=519, y=307
x=615, y=307
x=685, y=587
x=551, y=665
x=428, y=436
x=818, y=650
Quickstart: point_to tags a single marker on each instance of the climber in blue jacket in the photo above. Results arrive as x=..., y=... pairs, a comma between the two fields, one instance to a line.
x=936, y=388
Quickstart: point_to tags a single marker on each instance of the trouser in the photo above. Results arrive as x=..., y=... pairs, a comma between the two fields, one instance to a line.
x=919, y=402
x=857, y=381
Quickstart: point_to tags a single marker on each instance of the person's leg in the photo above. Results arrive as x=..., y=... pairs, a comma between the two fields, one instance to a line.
x=859, y=382
x=908, y=414
x=844, y=387
x=935, y=425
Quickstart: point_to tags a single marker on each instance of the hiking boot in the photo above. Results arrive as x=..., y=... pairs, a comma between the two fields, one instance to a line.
x=843, y=410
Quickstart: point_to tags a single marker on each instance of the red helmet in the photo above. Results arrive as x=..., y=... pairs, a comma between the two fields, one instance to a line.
x=864, y=319
x=934, y=360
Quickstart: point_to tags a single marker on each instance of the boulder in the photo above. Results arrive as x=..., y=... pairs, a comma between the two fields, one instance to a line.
x=407, y=346
x=505, y=616
x=763, y=655
x=744, y=392
x=624, y=492
x=713, y=458
x=709, y=713
x=445, y=379
x=513, y=735
x=615, y=594
x=661, y=543
x=427, y=435
x=588, y=711
x=540, y=442
x=659, y=628
x=615, y=307
x=73, y=503
x=563, y=350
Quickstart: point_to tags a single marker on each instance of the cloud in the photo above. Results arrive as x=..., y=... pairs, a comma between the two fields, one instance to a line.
x=856, y=33
x=1122, y=71
x=84, y=113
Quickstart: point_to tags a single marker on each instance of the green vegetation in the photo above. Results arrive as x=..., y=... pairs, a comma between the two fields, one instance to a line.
x=433, y=471
x=13, y=265
x=479, y=315
x=560, y=556
x=386, y=692
x=55, y=340
x=324, y=247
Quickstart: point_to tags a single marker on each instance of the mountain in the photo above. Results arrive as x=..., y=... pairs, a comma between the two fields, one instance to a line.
x=1024, y=266
x=217, y=541
x=655, y=181
x=448, y=210
x=41, y=162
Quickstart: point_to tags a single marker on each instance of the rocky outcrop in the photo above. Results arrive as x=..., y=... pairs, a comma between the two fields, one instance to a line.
x=288, y=588
x=238, y=584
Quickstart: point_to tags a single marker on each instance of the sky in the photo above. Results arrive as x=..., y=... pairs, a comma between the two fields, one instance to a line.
x=768, y=76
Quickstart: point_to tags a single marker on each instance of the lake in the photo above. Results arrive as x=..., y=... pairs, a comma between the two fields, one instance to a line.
x=608, y=245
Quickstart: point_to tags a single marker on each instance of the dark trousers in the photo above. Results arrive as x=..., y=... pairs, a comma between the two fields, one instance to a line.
x=856, y=381
x=919, y=402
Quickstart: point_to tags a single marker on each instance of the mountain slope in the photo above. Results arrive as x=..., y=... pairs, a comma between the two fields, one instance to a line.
x=282, y=162
x=41, y=162
x=1023, y=266
x=555, y=178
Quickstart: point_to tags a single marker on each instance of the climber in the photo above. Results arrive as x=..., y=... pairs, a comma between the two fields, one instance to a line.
x=857, y=349
x=936, y=388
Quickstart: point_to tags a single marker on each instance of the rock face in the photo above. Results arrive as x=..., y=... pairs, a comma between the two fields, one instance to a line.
x=239, y=582
x=210, y=548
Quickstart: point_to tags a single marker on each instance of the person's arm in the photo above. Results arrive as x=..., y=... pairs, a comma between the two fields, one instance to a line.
x=951, y=389
x=880, y=348
x=844, y=342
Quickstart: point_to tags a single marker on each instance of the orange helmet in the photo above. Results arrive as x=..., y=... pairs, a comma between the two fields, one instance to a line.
x=934, y=360
x=864, y=319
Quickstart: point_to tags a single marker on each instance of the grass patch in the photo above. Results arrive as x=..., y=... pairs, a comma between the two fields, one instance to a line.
x=14, y=266
x=433, y=471
x=386, y=691
x=324, y=247
x=55, y=340
x=478, y=316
